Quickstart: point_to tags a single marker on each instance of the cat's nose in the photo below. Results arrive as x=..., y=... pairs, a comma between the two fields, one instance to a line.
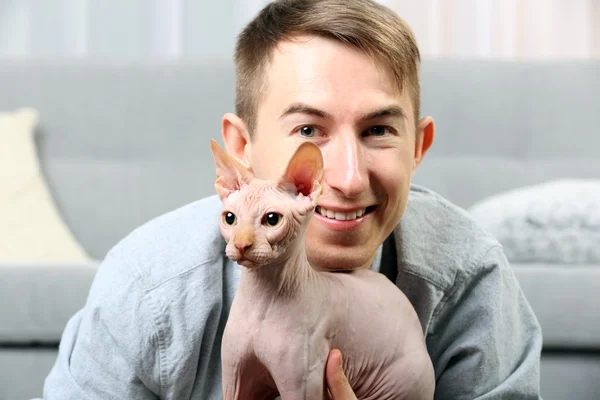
x=243, y=240
x=242, y=246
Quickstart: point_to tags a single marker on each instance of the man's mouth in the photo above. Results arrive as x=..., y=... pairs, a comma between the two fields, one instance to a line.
x=344, y=216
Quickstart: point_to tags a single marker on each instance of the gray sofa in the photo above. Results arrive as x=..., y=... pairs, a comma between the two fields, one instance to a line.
x=121, y=143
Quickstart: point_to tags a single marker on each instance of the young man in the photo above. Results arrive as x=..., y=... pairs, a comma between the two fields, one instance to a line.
x=345, y=75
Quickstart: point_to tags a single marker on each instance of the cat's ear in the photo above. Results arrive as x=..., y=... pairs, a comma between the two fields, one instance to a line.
x=305, y=171
x=231, y=173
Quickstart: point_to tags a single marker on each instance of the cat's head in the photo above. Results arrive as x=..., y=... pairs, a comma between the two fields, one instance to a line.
x=261, y=218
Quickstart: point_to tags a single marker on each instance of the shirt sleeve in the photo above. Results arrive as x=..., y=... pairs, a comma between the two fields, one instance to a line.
x=108, y=349
x=486, y=341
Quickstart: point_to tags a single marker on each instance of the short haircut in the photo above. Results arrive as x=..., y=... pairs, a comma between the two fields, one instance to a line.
x=362, y=24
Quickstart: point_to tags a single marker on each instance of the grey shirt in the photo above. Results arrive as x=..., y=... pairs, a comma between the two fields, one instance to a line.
x=153, y=322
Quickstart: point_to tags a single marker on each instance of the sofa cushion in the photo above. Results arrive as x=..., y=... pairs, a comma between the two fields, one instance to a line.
x=554, y=222
x=31, y=228
x=120, y=140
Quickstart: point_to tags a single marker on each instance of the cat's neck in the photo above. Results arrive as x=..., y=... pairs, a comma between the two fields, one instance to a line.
x=285, y=278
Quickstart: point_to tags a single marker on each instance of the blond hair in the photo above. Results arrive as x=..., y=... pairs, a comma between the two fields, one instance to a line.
x=362, y=24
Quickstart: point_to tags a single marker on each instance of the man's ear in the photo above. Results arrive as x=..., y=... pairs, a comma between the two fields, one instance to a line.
x=305, y=171
x=235, y=136
x=231, y=173
x=424, y=139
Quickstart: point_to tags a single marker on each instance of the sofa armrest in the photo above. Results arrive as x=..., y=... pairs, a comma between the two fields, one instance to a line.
x=37, y=300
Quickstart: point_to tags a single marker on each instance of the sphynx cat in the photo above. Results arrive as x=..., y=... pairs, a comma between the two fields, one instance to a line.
x=287, y=316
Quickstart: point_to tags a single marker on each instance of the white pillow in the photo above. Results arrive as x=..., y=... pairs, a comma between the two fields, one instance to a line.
x=31, y=228
x=554, y=222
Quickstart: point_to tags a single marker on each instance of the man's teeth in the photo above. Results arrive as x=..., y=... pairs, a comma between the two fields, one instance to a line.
x=341, y=215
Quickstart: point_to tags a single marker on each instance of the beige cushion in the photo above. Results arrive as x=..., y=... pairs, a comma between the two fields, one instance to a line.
x=31, y=228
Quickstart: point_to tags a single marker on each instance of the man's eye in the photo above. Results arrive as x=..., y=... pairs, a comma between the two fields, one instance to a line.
x=307, y=131
x=378, y=131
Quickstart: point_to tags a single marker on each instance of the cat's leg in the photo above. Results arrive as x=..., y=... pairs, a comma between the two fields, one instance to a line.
x=311, y=386
x=231, y=376
x=236, y=357
x=301, y=374
x=246, y=378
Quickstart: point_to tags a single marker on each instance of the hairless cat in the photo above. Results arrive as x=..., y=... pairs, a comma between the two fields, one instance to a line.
x=287, y=316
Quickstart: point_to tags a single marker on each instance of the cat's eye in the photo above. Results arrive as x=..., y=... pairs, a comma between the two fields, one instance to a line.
x=229, y=218
x=272, y=219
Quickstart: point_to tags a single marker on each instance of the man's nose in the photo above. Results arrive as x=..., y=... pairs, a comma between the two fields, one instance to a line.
x=345, y=166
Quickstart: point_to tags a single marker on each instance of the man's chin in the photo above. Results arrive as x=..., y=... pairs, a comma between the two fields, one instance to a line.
x=339, y=251
x=336, y=268
x=338, y=259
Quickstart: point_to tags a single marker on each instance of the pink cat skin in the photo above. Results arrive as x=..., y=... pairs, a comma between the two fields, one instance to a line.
x=286, y=316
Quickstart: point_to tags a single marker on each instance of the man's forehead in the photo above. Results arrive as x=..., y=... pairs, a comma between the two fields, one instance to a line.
x=293, y=42
x=301, y=63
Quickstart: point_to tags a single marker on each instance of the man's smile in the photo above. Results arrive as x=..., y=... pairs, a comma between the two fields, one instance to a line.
x=343, y=221
x=344, y=215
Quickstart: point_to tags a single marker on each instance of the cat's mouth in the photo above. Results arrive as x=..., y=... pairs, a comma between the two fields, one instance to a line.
x=249, y=259
x=344, y=216
x=248, y=263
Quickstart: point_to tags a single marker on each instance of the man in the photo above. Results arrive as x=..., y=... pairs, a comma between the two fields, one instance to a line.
x=345, y=75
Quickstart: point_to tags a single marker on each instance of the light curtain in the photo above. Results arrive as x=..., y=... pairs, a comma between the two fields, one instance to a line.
x=506, y=29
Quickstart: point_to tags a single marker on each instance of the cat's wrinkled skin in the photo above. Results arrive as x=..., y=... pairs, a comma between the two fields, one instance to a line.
x=286, y=317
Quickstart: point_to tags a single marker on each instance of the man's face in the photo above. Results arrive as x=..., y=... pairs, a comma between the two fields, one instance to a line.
x=323, y=91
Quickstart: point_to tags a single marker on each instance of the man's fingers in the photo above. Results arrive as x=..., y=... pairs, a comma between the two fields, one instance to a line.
x=337, y=383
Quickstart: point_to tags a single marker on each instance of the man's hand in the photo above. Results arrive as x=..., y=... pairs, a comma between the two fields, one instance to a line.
x=337, y=383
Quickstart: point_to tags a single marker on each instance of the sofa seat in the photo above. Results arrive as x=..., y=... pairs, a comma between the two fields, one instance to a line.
x=38, y=300
x=566, y=301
